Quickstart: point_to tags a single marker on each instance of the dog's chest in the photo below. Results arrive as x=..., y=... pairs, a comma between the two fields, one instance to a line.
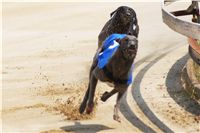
x=119, y=69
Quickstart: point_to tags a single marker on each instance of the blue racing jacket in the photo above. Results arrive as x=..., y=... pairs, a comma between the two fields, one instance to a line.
x=110, y=46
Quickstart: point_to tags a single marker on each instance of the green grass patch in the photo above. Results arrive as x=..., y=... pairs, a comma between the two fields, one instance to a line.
x=197, y=71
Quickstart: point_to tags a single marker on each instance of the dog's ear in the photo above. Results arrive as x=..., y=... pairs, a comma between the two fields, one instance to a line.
x=113, y=13
x=137, y=29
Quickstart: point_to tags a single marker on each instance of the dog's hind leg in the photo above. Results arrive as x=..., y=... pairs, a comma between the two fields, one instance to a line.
x=116, y=107
x=93, y=83
x=84, y=102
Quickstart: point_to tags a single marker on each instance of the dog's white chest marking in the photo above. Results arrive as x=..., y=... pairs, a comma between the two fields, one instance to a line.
x=134, y=27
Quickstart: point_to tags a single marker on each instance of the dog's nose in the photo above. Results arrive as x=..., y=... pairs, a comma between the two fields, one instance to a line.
x=132, y=47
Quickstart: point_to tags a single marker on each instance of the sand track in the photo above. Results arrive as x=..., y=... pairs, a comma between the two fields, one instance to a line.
x=46, y=58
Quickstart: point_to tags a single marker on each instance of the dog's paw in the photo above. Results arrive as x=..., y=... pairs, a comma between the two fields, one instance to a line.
x=82, y=108
x=117, y=118
x=105, y=96
x=89, y=108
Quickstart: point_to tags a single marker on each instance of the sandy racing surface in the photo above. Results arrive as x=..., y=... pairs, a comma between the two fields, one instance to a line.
x=47, y=52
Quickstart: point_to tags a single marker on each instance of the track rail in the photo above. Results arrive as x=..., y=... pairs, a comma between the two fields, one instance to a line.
x=188, y=29
x=185, y=28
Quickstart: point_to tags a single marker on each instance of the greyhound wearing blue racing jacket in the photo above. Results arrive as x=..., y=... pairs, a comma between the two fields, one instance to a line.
x=113, y=63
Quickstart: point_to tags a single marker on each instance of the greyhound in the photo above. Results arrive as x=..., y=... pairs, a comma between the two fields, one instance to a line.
x=123, y=21
x=114, y=67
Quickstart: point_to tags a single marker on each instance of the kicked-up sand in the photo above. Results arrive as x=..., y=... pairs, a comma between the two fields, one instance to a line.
x=47, y=52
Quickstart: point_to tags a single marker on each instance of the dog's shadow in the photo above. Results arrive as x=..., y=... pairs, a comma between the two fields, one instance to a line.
x=85, y=128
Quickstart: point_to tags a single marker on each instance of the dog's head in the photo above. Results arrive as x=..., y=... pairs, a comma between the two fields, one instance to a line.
x=128, y=46
x=126, y=15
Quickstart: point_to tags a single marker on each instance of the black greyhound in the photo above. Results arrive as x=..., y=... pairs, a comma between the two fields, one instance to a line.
x=123, y=21
x=116, y=71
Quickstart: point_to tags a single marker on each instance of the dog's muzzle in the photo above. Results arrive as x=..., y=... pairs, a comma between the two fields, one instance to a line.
x=132, y=47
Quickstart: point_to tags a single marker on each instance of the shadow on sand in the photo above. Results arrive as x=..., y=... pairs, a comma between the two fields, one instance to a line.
x=176, y=90
x=85, y=128
x=136, y=93
x=126, y=110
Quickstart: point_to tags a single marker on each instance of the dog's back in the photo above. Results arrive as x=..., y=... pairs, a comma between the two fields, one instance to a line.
x=123, y=21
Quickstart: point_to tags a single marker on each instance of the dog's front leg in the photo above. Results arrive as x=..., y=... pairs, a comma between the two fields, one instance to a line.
x=122, y=89
x=107, y=95
x=84, y=102
x=93, y=83
x=86, y=97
